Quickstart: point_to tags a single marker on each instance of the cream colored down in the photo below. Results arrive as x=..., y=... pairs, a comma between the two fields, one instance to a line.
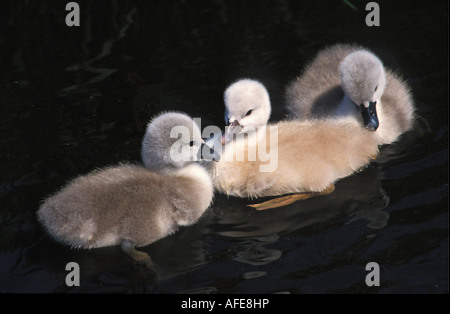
x=311, y=155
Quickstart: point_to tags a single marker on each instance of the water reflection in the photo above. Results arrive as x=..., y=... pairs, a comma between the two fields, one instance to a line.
x=357, y=197
x=89, y=66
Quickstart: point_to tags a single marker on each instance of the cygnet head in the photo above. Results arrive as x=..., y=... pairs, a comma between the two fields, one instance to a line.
x=171, y=141
x=247, y=104
x=363, y=80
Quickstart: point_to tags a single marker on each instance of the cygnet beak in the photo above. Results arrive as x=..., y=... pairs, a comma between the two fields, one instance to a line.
x=369, y=114
x=230, y=130
x=206, y=152
x=232, y=125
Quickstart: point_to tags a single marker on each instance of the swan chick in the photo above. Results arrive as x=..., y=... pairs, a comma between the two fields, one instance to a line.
x=247, y=105
x=304, y=157
x=350, y=82
x=130, y=205
x=363, y=81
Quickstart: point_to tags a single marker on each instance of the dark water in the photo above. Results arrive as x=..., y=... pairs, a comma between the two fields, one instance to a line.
x=75, y=99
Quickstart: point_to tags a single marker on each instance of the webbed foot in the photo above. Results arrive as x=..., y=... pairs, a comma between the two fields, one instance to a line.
x=289, y=199
x=139, y=256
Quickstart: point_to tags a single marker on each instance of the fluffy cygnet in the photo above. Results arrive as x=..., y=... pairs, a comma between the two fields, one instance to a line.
x=131, y=205
x=247, y=105
x=293, y=157
x=350, y=82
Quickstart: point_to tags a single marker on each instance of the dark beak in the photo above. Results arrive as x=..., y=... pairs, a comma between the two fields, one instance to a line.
x=226, y=116
x=234, y=124
x=230, y=127
x=230, y=131
x=207, y=153
x=369, y=115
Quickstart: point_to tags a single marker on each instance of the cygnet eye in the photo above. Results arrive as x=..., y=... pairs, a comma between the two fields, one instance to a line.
x=376, y=87
x=249, y=112
x=191, y=143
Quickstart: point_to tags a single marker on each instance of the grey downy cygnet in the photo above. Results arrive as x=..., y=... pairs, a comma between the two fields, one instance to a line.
x=130, y=205
x=350, y=82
